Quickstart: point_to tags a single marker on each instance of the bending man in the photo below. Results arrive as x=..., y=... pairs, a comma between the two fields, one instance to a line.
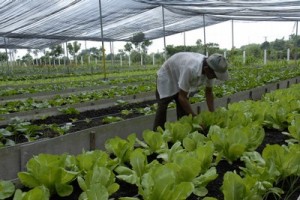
x=181, y=75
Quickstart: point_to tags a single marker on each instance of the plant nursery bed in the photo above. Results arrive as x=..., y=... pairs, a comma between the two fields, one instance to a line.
x=83, y=120
x=272, y=136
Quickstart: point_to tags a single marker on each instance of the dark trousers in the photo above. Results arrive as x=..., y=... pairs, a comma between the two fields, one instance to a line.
x=162, y=107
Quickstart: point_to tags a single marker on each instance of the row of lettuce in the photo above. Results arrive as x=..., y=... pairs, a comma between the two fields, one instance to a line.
x=241, y=79
x=33, y=78
x=60, y=84
x=181, y=160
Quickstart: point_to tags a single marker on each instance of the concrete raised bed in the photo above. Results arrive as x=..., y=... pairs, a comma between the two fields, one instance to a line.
x=14, y=159
x=94, y=105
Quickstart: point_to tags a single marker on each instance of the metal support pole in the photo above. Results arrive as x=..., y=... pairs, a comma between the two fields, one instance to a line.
x=153, y=59
x=102, y=36
x=6, y=55
x=164, y=30
x=204, y=35
x=232, y=34
x=184, y=39
x=296, y=44
x=111, y=53
x=265, y=56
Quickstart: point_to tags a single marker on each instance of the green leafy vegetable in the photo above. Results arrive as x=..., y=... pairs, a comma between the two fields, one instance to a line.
x=52, y=171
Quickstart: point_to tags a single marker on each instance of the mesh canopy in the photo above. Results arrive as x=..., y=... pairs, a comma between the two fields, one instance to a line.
x=38, y=24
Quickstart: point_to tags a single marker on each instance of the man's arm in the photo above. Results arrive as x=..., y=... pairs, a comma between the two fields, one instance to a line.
x=209, y=98
x=184, y=102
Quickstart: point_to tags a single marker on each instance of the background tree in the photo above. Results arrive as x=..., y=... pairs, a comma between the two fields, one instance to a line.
x=140, y=43
x=95, y=52
x=212, y=48
x=27, y=59
x=128, y=48
x=56, y=50
x=279, y=48
x=200, y=46
x=294, y=45
x=73, y=48
x=265, y=45
x=3, y=57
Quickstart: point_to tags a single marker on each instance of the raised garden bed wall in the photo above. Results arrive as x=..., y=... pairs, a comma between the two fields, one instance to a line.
x=94, y=105
x=13, y=159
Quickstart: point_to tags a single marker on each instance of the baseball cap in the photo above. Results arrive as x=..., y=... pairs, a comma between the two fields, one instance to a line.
x=219, y=64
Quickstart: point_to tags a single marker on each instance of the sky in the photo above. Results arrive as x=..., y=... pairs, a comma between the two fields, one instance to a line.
x=243, y=33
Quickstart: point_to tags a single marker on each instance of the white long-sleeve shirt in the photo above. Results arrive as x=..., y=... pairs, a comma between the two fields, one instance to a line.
x=181, y=71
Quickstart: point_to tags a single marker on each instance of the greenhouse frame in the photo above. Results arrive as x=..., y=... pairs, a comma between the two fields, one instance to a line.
x=39, y=24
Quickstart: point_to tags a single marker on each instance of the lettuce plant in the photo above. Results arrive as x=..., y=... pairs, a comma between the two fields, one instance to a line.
x=7, y=189
x=285, y=159
x=235, y=187
x=111, y=119
x=161, y=183
x=153, y=142
x=4, y=141
x=277, y=163
x=193, y=141
x=294, y=128
x=98, y=183
x=55, y=172
x=39, y=192
x=121, y=148
x=195, y=167
x=176, y=131
x=264, y=175
x=87, y=160
x=231, y=143
x=138, y=167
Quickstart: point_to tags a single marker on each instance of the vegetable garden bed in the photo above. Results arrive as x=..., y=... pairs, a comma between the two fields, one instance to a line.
x=272, y=136
x=15, y=157
x=240, y=153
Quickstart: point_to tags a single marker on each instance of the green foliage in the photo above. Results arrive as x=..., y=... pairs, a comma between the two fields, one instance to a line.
x=286, y=160
x=73, y=48
x=128, y=47
x=39, y=192
x=121, y=148
x=176, y=131
x=231, y=143
x=7, y=189
x=56, y=50
x=27, y=58
x=111, y=119
x=69, y=111
x=87, y=160
x=137, y=39
x=235, y=188
x=98, y=183
x=3, y=57
x=138, y=167
x=152, y=142
x=294, y=128
x=161, y=183
x=52, y=171
x=4, y=138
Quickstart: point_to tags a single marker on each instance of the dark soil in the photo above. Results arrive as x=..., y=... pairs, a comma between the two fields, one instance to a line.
x=92, y=118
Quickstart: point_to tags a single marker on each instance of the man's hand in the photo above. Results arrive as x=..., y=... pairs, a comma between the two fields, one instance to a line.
x=191, y=94
x=184, y=102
